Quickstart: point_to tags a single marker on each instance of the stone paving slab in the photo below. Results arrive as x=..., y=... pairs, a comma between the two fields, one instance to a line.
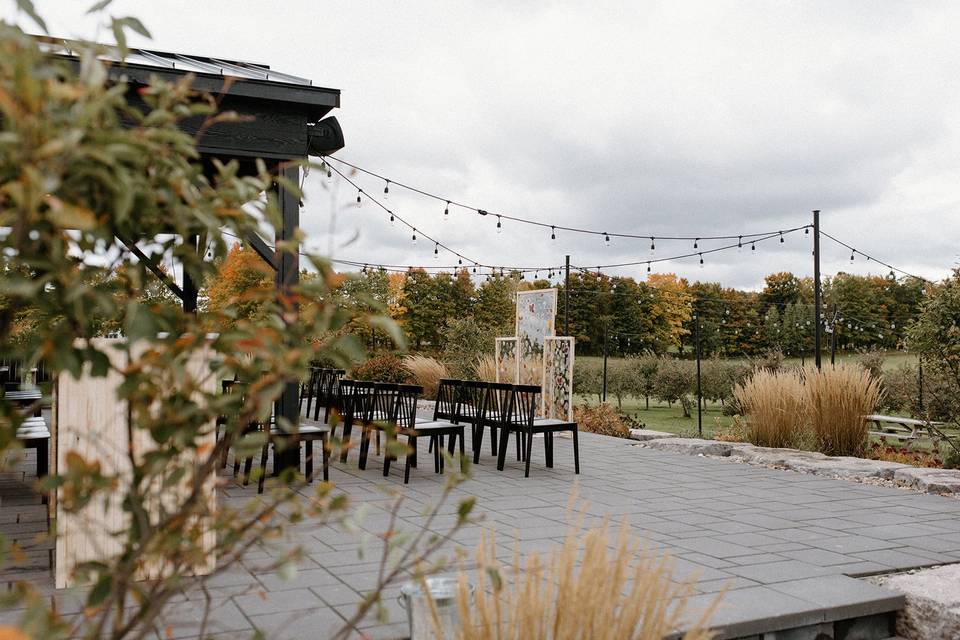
x=781, y=543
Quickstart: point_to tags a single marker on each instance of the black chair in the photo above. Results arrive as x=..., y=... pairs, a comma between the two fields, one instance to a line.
x=522, y=419
x=471, y=407
x=446, y=406
x=355, y=405
x=437, y=430
x=330, y=392
x=495, y=414
x=309, y=389
x=382, y=412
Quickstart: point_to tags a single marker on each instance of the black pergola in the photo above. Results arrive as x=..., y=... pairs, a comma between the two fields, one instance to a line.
x=282, y=120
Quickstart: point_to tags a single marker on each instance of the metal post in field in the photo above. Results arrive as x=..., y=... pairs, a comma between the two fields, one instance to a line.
x=696, y=317
x=817, y=321
x=605, y=340
x=566, y=300
x=833, y=336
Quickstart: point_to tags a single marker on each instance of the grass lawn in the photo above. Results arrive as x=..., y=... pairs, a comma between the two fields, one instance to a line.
x=892, y=359
x=661, y=417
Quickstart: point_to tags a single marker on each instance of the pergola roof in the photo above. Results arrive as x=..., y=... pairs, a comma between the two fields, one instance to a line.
x=282, y=105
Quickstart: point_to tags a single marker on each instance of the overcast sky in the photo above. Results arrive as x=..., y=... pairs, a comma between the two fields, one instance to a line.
x=654, y=118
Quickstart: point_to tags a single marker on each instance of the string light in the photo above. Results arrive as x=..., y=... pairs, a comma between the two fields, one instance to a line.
x=499, y=226
x=359, y=201
x=753, y=246
x=436, y=250
x=553, y=233
x=391, y=217
x=648, y=267
x=739, y=244
x=851, y=255
x=653, y=245
x=701, y=260
x=606, y=237
x=696, y=242
x=781, y=237
x=386, y=189
x=414, y=236
x=446, y=211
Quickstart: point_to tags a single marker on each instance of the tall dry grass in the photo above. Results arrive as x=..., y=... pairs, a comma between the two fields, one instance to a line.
x=838, y=397
x=427, y=373
x=774, y=405
x=617, y=592
x=487, y=368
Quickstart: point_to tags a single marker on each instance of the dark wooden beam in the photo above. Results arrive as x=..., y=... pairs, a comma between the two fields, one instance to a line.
x=190, y=289
x=288, y=276
x=263, y=249
x=154, y=267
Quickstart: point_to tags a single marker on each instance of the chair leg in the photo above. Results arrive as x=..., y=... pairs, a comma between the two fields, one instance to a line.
x=576, y=452
x=493, y=440
x=386, y=454
x=411, y=455
x=548, y=448
x=378, y=442
x=529, y=448
x=325, y=443
x=347, y=431
x=308, y=463
x=247, y=468
x=364, y=446
x=477, y=443
x=263, y=468
x=519, y=446
x=437, y=459
x=463, y=457
x=43, y=458
x=502, y=456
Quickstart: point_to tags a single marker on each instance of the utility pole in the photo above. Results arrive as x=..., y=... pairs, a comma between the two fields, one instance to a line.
x=606, y=325
x=696, y=317
x=566, y=300
x=817, y=322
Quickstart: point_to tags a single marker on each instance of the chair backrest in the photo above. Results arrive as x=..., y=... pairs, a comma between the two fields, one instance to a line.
x=405, y=416
x=473, y=398
x=525, y=403
x=448, y=397
x=498, y=401
x=309, y=390
x=329, y=392
x=384, y=402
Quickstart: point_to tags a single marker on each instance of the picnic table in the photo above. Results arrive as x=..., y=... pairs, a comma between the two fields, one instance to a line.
x=906, y=429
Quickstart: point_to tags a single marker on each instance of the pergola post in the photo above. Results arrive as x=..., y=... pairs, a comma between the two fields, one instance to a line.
x=287, y=277
x=190, y=289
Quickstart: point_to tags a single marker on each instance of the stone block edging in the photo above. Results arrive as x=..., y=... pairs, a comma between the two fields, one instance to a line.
x=940, y=481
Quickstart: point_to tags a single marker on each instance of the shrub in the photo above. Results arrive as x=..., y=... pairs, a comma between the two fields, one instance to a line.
x=628, y=593
x=718, y=378
x=872, y=361
x=901, y=389
x=621, y=382
x=383, y=368
x=895, y=453
x=773, y=404
x=600, y=419
x=838, y=397
x=644, y=369
x=676, y=382
x=772, y=360
x=486, y=369
x=427, y=373
x=587, y=379
x=463, y=342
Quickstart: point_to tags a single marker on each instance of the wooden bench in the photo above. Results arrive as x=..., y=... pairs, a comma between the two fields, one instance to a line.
x=905, y=429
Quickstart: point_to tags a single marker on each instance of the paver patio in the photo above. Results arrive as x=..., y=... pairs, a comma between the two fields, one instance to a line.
x=782, y=543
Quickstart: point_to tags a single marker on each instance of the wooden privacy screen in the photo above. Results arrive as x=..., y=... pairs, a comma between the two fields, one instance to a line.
x=92, y=422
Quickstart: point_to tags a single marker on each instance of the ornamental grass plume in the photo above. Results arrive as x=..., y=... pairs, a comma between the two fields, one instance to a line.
x=838, y=399
x=487, y=368
x=427, y=372
x=588, y=587
x=774, y=405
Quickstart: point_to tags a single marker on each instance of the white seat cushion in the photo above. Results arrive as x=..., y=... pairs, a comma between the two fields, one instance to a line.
x=33, y=429
x=438, y=424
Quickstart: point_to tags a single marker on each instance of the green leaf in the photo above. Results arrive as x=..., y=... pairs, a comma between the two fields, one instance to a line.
x=137, y=26
x=496, y=580
x=464, y=508
x=99, y=6
x=27, y=7
x=100, y=590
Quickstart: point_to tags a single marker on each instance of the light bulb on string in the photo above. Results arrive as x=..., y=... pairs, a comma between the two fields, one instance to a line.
x=753, y=246
x=329, y=172
x=386, y=189
x=436, y=251
x=414, y=236
x=446, y=212
x=648, y=267
x=460, y=261
x=499, y=225
x=851, y=255
x=806, y=231
x=653, y=245
x=739, y=244
x=701, y=260
x=391, y=217
x=696, y=243
x=781, y=237
x=606, y=238
x=553, y=233
x=359, y=201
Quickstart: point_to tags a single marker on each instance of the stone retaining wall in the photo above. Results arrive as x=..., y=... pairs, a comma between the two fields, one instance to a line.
x=942, y=481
